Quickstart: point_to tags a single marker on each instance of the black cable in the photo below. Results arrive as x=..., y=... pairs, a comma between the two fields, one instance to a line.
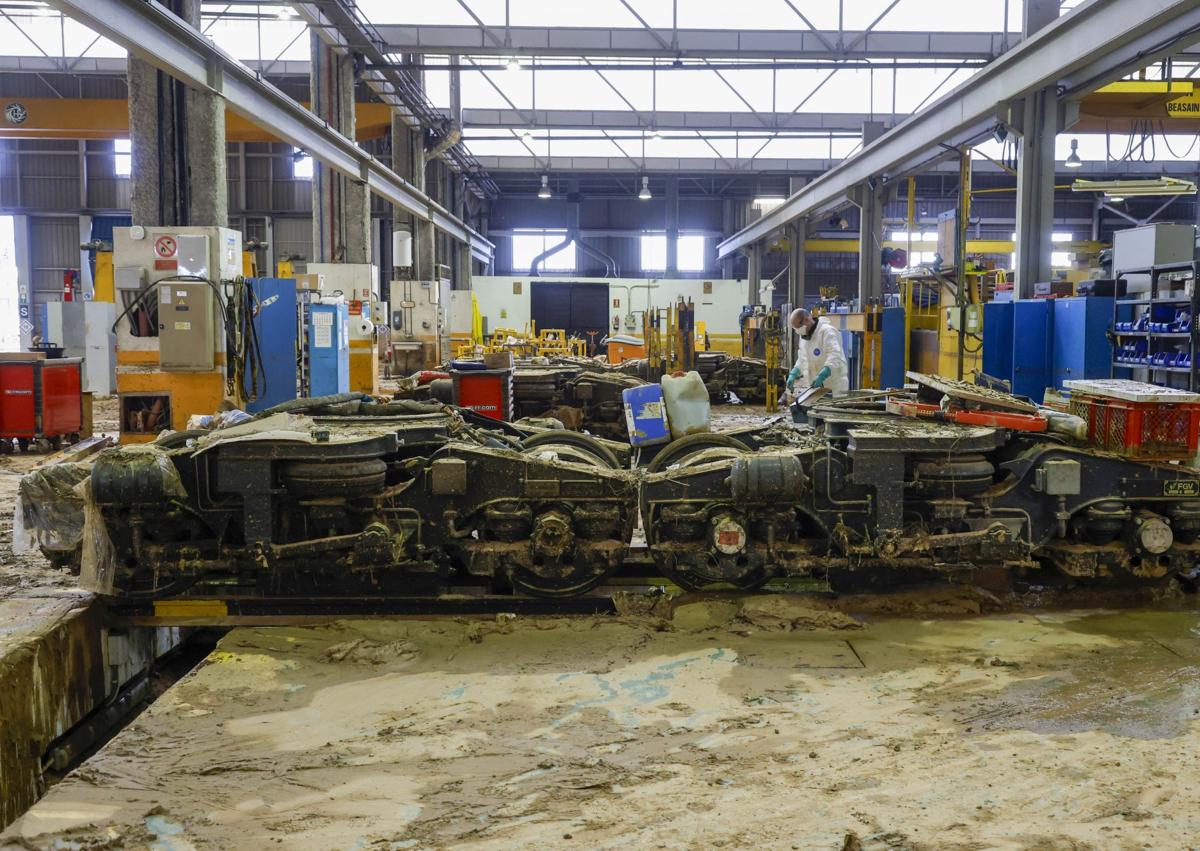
x=173, y=279
x=243, y=352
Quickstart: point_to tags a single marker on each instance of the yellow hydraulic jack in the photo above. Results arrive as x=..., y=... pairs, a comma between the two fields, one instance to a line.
x=772, y=328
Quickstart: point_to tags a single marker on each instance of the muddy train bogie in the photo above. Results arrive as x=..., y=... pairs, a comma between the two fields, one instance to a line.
x=416, y=505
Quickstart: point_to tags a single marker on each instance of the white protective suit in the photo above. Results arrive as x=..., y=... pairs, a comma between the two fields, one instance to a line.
x=822, y=349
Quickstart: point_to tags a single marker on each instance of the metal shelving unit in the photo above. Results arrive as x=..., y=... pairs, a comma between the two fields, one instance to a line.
x=1192, y=268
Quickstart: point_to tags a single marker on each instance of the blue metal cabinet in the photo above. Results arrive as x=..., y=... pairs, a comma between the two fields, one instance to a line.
x=1033, y=347
x=1081, y=346
x=891, y=366
x=998, y=340
x=278, y=328
x=328, y=349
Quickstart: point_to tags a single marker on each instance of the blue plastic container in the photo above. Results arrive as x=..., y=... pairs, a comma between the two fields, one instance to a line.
x=646, y=415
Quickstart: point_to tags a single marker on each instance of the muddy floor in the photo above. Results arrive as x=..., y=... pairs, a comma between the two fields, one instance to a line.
x=751, y=723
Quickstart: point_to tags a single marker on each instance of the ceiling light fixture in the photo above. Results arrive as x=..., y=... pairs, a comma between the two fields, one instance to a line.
x=514, y=64
x=285, y=13
x=1073, y=160
x=544, y=192
x=1114, y=199
x=645, y=195
x=1159, y=186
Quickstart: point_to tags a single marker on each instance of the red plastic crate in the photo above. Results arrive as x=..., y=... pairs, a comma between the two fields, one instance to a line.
x=1143, y=430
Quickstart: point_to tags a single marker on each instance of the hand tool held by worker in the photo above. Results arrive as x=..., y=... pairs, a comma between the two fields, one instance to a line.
x=819, y=381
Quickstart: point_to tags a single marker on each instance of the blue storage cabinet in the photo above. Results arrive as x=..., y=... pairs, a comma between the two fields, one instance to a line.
x=1081, y=346
x=891, y=364
x=328, y=349
x=998, y=340
x=1033, y=347
x=278, y=327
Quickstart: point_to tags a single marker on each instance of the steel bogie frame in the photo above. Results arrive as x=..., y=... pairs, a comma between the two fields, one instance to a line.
x=415, y=506
x=948, y=504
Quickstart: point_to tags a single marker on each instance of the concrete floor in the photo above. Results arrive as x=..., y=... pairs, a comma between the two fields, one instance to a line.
x=931, y=719
x=751, y=723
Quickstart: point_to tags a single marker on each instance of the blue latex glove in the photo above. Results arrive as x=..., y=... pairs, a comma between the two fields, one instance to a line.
x=819, y=381
x=792, y=376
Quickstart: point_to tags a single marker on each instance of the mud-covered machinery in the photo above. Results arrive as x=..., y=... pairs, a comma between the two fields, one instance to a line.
x=313, y=506
x=892, y=499
x=399, y=499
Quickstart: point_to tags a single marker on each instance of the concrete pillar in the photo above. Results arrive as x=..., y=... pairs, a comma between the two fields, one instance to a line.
x=408, y=161
x=178, y=143
x=870, y=243
x=341, y=205
x=797, y=232
x=672, y=226
x=754, y=273
x=797, y=257
x=870, y=227
x=1035, y=189
x=733, y=219
x=1037, y=117
x=455, y=93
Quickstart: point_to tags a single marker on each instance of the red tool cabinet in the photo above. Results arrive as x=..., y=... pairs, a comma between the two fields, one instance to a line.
x=40, y=399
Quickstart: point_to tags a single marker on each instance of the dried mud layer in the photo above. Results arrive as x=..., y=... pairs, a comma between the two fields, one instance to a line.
x=779, y=722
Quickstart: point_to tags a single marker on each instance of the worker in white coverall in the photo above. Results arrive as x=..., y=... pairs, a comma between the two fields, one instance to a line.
x=820, y=361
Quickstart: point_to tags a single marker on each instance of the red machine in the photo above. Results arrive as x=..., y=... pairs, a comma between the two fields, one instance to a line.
x=485, y=391
x=41, y=400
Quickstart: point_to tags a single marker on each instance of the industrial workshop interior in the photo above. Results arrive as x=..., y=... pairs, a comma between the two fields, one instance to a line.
x=666, y=424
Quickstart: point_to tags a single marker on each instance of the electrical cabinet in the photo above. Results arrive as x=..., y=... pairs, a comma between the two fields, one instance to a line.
x=1033, y=347
x=185, y=326
x=328, y=349
x=278, y=330
x=1081, y=346
x=998, y=340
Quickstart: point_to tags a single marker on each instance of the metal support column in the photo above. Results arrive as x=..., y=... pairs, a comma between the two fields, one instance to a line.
x=672, y=226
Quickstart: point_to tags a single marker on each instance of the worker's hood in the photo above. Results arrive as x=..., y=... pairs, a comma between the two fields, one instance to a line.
x=812, y=330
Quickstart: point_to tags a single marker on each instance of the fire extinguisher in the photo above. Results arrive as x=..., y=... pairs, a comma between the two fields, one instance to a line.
x=70, y=284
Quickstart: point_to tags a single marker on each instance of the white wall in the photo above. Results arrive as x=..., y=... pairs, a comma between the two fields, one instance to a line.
x=718, y=310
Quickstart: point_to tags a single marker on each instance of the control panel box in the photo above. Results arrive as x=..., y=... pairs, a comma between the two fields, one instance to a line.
x=185, y=326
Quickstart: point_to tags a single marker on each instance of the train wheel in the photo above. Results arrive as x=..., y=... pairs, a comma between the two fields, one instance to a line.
x=572, y=446
x=690, y=444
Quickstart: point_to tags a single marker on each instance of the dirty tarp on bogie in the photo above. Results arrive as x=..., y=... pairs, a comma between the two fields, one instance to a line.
x=49, y=513
x=98, y=568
